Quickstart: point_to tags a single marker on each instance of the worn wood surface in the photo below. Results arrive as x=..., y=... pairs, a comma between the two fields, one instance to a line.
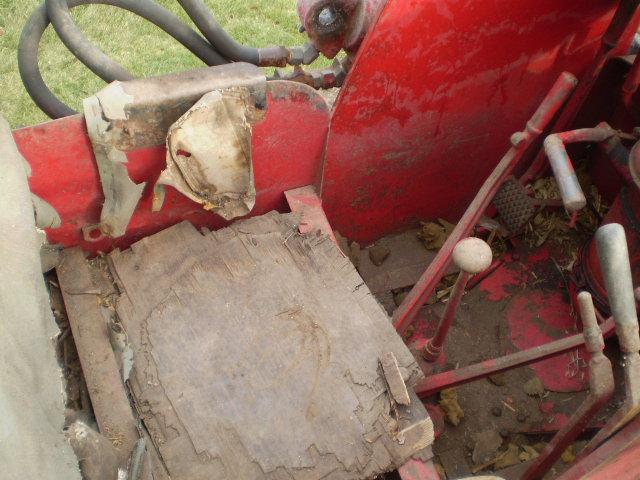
x=393, y=377
x=87, y=290
x=257, y=355
x=82, y=297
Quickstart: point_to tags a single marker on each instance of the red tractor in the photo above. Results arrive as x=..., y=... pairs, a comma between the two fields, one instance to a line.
x=428, y=272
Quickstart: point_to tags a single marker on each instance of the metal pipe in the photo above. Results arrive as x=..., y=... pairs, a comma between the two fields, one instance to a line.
x=471, y=256
x=601, y=387
x=555, y=99
x=621, y=19
x=433, y=348
x=597, y=465
x=613, y=255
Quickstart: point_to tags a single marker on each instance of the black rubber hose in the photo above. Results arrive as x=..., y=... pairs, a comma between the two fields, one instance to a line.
x=73, y=38
x=39, y=20
x=101, y=64
x=221, y=40
x=29, y=70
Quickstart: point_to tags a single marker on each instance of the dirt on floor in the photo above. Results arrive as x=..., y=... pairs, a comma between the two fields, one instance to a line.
x=495, y=423
x=489, y=425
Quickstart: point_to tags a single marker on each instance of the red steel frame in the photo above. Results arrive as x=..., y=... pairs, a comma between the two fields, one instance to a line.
x=552, y=103
x=617, y=459
x=287, y=152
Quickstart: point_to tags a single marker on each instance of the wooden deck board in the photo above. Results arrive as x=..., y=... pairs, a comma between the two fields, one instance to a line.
x=257, y=356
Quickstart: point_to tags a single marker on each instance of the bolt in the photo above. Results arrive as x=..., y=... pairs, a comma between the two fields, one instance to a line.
x=327, y=16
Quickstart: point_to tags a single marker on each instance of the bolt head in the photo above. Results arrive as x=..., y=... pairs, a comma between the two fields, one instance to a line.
x=327, y=16
x=472, y=255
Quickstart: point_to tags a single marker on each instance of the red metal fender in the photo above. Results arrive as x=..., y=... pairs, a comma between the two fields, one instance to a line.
x=436, y=90
x=287, y=153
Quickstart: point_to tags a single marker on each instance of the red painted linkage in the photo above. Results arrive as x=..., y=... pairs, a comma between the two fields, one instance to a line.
x=623, y=24
x=460, y=376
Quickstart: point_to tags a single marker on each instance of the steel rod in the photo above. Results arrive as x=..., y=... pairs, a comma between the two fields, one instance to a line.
x=460, y=376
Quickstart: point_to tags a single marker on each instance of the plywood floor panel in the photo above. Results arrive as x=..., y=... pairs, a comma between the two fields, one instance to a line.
x=256, y=356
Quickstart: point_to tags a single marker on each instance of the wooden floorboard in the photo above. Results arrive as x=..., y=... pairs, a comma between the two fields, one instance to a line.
x=257, y=355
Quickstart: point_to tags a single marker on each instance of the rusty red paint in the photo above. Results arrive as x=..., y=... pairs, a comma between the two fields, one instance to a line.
x=418, y=470
x=287, y=153
x=504, y=281
x=435, y=383
x=618, y=458
x=535, y=318
x=624, y=210
x=615, y=41
x=306, y=202
x=570, y=431
x=553, y=101
x=400, y=136
x=436, y=91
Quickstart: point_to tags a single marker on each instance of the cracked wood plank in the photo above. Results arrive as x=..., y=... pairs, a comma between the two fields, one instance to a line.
x=257, y=356
x=392, y=375
x=89, y=327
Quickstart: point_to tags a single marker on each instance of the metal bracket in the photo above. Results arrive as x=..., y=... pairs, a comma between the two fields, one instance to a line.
x=131, y=115
x=121, y=194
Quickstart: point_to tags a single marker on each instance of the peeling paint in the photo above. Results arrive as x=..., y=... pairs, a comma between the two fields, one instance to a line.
x=114, y=101
x=209, y=152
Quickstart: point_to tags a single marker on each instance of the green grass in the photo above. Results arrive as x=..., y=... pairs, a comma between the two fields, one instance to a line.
x=136, y=44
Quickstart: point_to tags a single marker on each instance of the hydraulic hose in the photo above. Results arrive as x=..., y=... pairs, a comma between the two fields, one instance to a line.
x=212, y=31
x=88, y=54
x=222, y=49
x=30, y=71
x=80, y=46
x=101, y=64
